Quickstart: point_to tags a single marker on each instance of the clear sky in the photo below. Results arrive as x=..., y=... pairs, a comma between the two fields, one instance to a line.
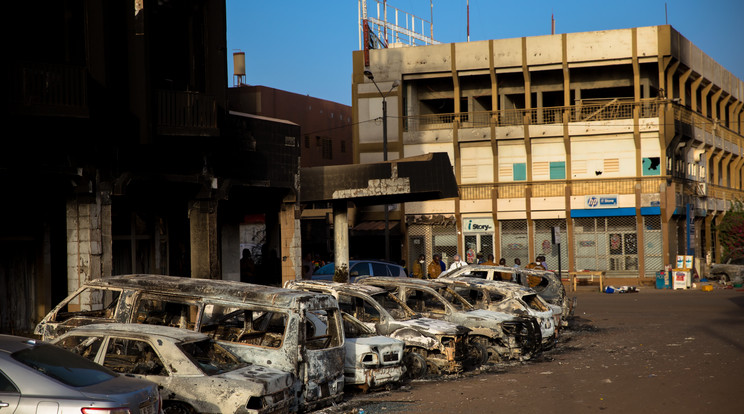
x=305, y=46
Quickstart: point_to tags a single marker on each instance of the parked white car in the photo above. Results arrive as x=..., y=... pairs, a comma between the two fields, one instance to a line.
x=193, y=372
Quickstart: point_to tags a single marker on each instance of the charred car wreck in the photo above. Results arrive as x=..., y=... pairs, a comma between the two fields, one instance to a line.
x=263, y=325
x=432, y=346
x=194, y=373
x=500, y=336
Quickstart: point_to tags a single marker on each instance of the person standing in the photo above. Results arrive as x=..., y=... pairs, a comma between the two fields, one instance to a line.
x=435, y=267
x=490, y=261
x=517, y=263
x=418, y=267
x=458, y=263
x=307, y=267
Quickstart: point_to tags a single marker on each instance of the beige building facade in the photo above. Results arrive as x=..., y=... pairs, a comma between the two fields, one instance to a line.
x=627, y=142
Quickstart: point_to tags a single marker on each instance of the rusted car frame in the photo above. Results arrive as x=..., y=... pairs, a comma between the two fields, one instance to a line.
x=432, y=346
x=192, y=371
x=504, y=336
x=263, y=325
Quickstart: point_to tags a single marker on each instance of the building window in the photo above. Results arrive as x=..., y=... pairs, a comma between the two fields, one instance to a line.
x=519, y=171
x=558, y=170
x=652, y=166
x=343, y=147
x=318, y=142
x=327, y=149
x=307, y=141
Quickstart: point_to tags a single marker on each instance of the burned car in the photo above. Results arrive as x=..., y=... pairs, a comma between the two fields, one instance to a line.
x=431, y=346
x=501, y=335
x=544, y=282
x=371, y=360
x=730, y=269
x=509, y=298
x=193, y=372
x=263, y=325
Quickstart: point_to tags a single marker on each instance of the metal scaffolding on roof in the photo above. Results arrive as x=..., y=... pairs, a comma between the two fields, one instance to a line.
x=392, y=26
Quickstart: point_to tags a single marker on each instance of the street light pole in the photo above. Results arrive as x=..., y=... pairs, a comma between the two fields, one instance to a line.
x=371, y=77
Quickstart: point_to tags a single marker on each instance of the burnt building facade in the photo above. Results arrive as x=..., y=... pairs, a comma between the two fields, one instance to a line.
x=126, y=158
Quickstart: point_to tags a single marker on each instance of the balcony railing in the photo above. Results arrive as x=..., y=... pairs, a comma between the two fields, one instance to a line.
x=557, y=188
x=49, y=90
x=186, y=113
x=582, y=112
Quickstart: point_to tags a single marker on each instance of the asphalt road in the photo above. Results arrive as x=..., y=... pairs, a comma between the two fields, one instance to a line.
x=655, y=351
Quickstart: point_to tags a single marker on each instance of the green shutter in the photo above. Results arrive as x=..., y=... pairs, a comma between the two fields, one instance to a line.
x=558, y=170
x=519, y=171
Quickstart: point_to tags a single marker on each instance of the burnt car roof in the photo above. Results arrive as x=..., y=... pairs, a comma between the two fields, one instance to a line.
x=505, y=269
x=431, y=283
x=174, y=334
x=488, y=284
x=337, y=286
x=226, y=290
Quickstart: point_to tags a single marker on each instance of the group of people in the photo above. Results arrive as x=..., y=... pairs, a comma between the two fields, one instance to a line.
x=436, y=267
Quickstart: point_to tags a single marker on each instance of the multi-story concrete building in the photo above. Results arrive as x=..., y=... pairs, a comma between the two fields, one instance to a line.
x=628, y=141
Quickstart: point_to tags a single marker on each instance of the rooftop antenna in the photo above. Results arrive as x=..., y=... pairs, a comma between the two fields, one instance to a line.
x=552, y=24
x=468, y=4
x=666, y=18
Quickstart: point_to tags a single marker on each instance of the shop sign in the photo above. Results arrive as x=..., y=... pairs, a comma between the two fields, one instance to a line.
x=600, y=201
x=477, y=225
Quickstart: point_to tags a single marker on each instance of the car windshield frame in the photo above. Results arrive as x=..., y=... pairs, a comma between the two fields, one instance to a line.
x=63, y=366
x=389, y=299
x=217, y=359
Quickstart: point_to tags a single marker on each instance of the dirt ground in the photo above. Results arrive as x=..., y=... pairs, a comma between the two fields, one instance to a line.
x=655, y=351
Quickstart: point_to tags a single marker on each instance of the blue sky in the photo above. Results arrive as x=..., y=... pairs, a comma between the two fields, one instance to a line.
x=305, y=46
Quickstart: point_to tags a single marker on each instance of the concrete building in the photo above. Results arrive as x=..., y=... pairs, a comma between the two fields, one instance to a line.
x=326, y=140
x=629, y=142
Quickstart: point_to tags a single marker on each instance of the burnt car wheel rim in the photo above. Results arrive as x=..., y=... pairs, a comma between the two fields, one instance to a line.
x=415, y=365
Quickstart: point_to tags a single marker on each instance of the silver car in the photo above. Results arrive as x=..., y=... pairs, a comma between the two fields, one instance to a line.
x=195, y=374
x=39, y=377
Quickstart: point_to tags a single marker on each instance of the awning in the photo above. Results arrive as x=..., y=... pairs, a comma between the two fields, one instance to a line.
x=375, y=226
x=425, y=177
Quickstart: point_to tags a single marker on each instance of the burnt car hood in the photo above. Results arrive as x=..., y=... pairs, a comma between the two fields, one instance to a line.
x=432, y=327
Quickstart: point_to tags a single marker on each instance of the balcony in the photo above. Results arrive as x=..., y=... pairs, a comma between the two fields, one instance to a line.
x=186, y=113
x=584, y=111
x=43, y=89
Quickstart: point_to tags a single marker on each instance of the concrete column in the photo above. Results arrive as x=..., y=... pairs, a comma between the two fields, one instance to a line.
x=714, y=103
x=341, y=236
x=693, y=93
x=203, y=231
x=722, y=110
x=682, y=90
x=87, y=221
x=291, y=241
x=725, y=170
x=703, y=99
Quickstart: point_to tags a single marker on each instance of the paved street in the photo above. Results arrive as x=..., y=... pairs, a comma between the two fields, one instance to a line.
x=656, y=351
